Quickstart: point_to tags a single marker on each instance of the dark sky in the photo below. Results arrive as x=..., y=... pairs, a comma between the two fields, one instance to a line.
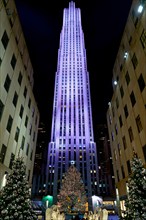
x=103, y=23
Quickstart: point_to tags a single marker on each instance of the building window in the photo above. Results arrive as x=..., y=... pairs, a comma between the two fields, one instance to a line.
x=34, y=136
x=116, y=129
x=117, y=102
x=126, y=111
x=27, y=149
x=112, y=135
x=20, y=78
x=26, y=121
x=3, y=153
x=15, y=99
x=23, y=142
x=121, y=92
x=119, y=148
x=113, y=111
x=36, y=119
x=29, y=103
x=138, y=123
x=124, y=142
x=118, y=176
x=5, y=2
x=1, y=109
x=144, y=151
x=30, y=129
x=17, y=134
x=130, y=39
x=5, y=39
x=21, y=111
x=31, y=155
x=136, y=22
x=11, y=160
x=123, y=173
x=141, y=82
x=9, y=123
x=132, y=98
x=130, y=134
x=13, y=61
x=7, y=83
x=121, y=67
x=128, y=167
x=25, y=92
x=134, y=61
x=0, y=61
x=120, y=121
x=143, y=38
x=127, y=77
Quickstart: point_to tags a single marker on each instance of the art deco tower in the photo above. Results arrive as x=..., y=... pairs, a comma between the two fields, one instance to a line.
x=72, y=132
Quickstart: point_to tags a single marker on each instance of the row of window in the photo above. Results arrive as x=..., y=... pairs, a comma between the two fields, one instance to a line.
x=9, y=126
x=131, y=136
x=7, y=84
x=128, y=166
x=142, y=86
x=134, y=59
x=136, y=18
x=4, y=150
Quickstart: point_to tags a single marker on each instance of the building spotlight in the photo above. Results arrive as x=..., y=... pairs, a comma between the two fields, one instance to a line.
x=115, y=82
x=140, y=8
x=125, y=55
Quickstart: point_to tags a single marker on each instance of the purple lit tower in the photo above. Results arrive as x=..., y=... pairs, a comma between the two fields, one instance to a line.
x=72, y=132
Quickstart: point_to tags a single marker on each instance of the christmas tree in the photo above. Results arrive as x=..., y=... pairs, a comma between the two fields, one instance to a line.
x=136, y=198
x=72, y=196
x=15, y=200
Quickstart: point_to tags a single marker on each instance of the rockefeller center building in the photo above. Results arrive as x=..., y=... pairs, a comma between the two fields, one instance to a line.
x=72, y=139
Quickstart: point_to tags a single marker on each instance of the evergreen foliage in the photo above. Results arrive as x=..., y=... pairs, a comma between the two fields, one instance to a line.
x=136, y=199
x=72, y=196
x=15, y=200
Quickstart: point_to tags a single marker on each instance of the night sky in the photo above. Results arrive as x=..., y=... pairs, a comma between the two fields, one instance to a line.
x=103, y=23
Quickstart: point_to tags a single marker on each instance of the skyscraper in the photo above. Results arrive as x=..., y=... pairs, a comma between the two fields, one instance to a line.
x=72, y=131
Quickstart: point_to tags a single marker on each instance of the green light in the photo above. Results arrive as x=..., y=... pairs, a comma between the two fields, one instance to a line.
x=49, y=199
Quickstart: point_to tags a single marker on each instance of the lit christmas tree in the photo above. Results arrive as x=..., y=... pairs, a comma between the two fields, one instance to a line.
x=15, y=200
x=72, y=196
x=136, y=200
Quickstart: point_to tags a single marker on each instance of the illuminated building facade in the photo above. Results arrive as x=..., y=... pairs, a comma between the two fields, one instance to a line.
x=72, y=132
x=19, y=114
x=126, y=115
